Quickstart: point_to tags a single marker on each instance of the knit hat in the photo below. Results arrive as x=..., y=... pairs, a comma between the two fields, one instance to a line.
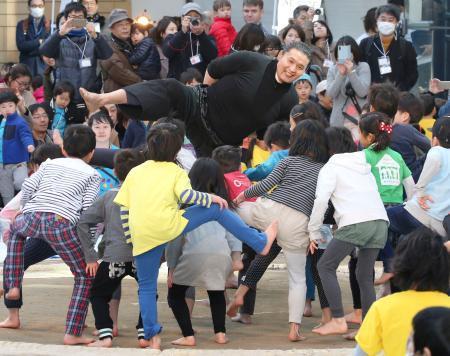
x=118, y=15
x=305, y=77
x=191, y=6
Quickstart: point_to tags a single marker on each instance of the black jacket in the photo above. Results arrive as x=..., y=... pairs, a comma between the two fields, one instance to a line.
x=179, y=49
x=403, y=60
x=145, y=55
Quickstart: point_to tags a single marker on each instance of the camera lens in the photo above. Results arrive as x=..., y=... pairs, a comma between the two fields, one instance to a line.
x=318, y=12
x=195, y=22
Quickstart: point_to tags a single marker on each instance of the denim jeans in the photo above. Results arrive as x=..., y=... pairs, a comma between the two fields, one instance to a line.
x=310, y=286
x=401, y=222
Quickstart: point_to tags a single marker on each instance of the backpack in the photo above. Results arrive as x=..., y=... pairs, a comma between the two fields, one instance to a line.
x=26, y=25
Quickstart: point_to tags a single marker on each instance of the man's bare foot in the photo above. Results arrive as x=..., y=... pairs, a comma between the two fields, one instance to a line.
x=106, y=342
x=271, y=233
x=184, y=341
x=307, y=312
x=351, y=335
x=221, y=338
x=335, y=326
x=144, y=343
x=238, y=265
x=294, y=333
x=242, y=318
x=10, y=323
x=386, y=276
x=92, y=100
x=13, y=294
x=355, y=317
x=77, y=340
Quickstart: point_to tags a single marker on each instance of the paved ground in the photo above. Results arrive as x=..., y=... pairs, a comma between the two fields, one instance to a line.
x=47, y=290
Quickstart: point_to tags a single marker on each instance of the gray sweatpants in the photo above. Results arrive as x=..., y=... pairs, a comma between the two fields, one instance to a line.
x=336, y=251
x=11, y=179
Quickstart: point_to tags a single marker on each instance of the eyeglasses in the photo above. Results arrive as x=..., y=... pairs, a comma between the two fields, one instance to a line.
x=24, y=85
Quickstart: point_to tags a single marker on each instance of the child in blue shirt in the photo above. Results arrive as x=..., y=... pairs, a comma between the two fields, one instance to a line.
x=62, y=96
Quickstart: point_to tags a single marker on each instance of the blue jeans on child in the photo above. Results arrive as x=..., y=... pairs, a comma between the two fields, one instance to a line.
x=147, y=264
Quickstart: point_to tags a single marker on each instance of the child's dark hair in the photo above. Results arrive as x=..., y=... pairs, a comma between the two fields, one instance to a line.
x=125, y=161
x=422, y=262
x=278, y=134
x=100, y=116
x=137, y=27
x=181, y=127
x=441, y=130
x=377, y=124
x=46, y=151
x=340, y=140
x=64, y=87
x=250, y=36
x=272, y=42
x=432, y=331
x=428, y=104
x=383, y=97
x=190, y=74
x=308, y=110
x=411, y=104
x=229, y=158
x=79, y=140
x=206, y=176
x=309, y=139
x=8, y=96
x=37, y=82
x=163, y=142
x=218, y=4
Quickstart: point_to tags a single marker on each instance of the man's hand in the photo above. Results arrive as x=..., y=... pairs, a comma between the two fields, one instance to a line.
x=434, y=86
x=91, y=269
x=185, y=24
x=197, y=30
x=90, y=28
x=66, y=28
x=170, y=278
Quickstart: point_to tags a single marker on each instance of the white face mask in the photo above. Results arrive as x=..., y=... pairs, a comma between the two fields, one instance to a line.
x=386, y=28
x=37, y=12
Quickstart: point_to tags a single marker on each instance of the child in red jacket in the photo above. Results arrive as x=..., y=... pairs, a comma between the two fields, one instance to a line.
x=222, y=30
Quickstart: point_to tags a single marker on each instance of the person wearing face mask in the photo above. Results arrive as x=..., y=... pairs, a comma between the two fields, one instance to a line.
x=30, y=34
x=390, y=58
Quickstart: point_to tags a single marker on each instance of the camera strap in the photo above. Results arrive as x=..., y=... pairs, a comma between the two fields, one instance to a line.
x=192, y=47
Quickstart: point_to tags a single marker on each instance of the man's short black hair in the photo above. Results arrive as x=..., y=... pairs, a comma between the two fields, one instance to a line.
x=125, y=161
x=8, y=96
x=46, y=151
x=74, y=7
x=411, y=104
x=278, y=134
x=383, y=97
x=29, y=2
x=163, y=142
x=299, y=9
x=229, y=157
x=388, y=9
x=259, y=3
x=79, y=140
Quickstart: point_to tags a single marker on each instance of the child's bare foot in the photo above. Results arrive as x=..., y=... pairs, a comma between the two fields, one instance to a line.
x=92, y=100
x=10, y=323
x=242, y=318
x=221, y=338
x=307, y=312
x=184, y=341
x=355, y=317
x=106, y=342
x=144, y=343
x=271, y=233
x=386, y=276
x=238, y=265
x=13, y=294
x=154, y=343
x=77, y=340
x=335, y=326
x=294, y=333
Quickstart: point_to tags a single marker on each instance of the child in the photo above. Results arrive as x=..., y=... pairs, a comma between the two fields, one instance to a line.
x=277, y=140
x=62, y=97
x=57, y=194
x=16, y=142
x=203, y=249
x=222, y=29
x=191, y=77
x=307, y=110
x=150, y=197
x=144, y=56
x=38, y=88
x=424, y=283
x=287, y=194
x=429, y=111
x=304, y=87
x=117, y=258
x=389, y=169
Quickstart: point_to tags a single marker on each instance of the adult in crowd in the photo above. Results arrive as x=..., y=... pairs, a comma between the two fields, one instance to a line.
x=292, y=33
x=253, y=11
x=191, y=46
x=117, y=70
x=323, y=42
x=225, y=112
x=165, y=27
x=348, y=85
x=120, y=122
x=41, y=115
x=93, y=15
x=249, y=38
x=19, y=81
x=370, y=25
x=303, y=17
x=76, y=50
x=390, y=58
x=272, y=46
x=30, y=34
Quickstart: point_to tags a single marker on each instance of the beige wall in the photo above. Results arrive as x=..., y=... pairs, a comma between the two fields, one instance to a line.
x=11, y=11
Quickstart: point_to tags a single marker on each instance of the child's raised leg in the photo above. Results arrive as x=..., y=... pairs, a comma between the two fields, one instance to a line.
x=177, y=302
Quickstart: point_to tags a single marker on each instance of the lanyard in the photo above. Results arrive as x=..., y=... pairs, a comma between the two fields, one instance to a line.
x=328, y=50
x=84, y=49
x=192, y=48
x=381, y=51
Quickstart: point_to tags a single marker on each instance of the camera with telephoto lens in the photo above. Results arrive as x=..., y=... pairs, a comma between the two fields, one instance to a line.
x=195, y=21
x=317, y=12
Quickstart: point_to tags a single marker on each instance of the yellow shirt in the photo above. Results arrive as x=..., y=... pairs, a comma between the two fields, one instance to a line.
x=388, y=323
x=259, y=156
x=152, y=193
x=426, y=123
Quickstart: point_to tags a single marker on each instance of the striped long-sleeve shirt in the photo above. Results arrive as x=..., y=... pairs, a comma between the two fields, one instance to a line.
x=293, y=181
x=63, y=186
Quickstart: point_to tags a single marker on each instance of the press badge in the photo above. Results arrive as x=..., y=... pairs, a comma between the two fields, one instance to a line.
x=85, y=63
x=328, y=63
x=97, y=27
x=385, y=65
x=196, y=59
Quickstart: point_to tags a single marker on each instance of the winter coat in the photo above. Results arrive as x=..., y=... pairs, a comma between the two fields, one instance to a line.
x=16, y=138
x=224, y=33
x=145, y=55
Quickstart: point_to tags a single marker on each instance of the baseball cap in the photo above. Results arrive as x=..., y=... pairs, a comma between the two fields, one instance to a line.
x=118, y=15
x=322, y=86
x=191, y=6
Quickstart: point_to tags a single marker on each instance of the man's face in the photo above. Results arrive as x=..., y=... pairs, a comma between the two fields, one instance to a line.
x=302, y=17
x=252, y=14
x=39, y=120
x=122, y=30
x=291, y=65
x=384, y=17
x=91, y=7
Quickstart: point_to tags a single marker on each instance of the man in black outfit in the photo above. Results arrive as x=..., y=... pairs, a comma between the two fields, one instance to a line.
x=245, y=92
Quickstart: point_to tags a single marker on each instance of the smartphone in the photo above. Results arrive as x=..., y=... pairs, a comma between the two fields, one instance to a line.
x=443, y=85
x=78, y=23
x=344, y=53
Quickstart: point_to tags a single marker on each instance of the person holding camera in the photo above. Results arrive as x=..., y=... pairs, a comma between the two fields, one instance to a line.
x=190, y=47
x=348, y=83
